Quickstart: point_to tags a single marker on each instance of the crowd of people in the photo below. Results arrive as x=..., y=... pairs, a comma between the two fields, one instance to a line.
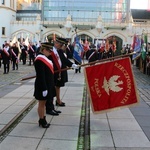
x=78, y=51
x=49, y=77
x=49, y=59
x=9, y=54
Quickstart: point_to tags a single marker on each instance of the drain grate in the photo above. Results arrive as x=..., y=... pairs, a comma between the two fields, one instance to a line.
x=84, y=127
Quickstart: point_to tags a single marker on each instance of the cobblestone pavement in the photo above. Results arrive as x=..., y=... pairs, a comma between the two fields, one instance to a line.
x=12, y=80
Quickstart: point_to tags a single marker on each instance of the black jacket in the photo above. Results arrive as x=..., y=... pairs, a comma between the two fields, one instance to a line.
x=44, y=81
x=61, y=77
x=6, y=58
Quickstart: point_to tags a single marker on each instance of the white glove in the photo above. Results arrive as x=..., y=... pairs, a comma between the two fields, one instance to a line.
x=74, y=66
x=45, y=93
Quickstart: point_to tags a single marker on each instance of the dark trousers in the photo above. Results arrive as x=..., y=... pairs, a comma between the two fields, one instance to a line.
x=6, y=67
x=15, y=64
x=31, y=58
x=79, y=69
x=24, y=60
x=0, y=63
x=49, y=105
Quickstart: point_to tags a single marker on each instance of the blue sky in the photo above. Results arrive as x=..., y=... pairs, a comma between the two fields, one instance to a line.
x=138, y=4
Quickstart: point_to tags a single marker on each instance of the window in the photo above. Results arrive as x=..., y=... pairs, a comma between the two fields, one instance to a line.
x=3, y=2
x=3, y=30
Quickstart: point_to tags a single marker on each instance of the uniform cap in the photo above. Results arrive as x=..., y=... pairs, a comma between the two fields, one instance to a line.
x=62, y=40
x=93, y=46
x=47, y=45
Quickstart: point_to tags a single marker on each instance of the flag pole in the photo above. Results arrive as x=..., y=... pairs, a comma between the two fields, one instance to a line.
x=107, y=59
x=87, y=64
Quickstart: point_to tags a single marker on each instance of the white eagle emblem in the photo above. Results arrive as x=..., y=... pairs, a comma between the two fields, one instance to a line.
x=112, y=84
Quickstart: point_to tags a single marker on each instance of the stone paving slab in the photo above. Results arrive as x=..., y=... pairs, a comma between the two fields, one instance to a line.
x=124, y=129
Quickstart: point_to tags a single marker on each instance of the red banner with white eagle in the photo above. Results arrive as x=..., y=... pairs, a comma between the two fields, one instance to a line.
x=111, y=85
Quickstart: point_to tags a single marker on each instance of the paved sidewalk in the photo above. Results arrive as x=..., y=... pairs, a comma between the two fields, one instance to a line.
x=124, y=129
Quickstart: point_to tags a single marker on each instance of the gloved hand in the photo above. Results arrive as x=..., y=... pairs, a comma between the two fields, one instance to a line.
x=45, y=93
x=74, y=66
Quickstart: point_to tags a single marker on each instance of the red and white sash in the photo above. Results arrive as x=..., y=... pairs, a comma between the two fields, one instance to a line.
x=31, y=48
x=46, y=61
x=57, y=57
x=55, y=60
x=91, y=55
x=13, y=53
x=6, y=52
x=68, y=48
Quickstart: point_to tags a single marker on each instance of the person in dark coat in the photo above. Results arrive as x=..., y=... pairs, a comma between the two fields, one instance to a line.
x=4, y=44
x=31, y=52
x=44, y=87
x=60, y=61
x=69, y=50
x=110, y=51
x=0, y=57
x=24, y=53
x=93, y=54
x=6, y=57
x=14, y=56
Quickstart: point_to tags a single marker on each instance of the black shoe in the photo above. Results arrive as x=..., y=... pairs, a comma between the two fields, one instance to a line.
x=52, y=112
x=43, y=123
x=76, y=71
x=57, y=111
x=62, y=104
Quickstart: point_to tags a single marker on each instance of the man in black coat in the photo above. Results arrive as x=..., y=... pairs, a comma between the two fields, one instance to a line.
x=93, y=54
x=31, y=52
x=24, y=53
x=6, y=57
x=14, y=55
x=0, y=57
x=60, y=61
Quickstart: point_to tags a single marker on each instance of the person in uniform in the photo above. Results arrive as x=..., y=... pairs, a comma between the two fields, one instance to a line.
x=14, y=56
x=44, y=87
x=31, y=52
x=69, y=50
x=6, y=57
x=60, y=61
x=0, y=57
x=38, y=47
x=4, y=44
x=110, y=51
x=24, y=53
x=93, y=54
